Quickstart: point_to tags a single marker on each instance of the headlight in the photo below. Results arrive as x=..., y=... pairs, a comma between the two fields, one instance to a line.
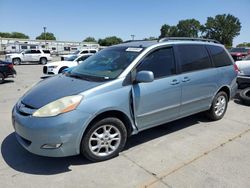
x=52, y=67
x=59, y=106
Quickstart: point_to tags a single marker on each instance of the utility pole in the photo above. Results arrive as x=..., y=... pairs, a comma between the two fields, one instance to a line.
x=44, y=30
x=133, y=37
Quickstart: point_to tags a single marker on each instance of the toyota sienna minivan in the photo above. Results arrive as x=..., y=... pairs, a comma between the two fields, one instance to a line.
x=122, y=90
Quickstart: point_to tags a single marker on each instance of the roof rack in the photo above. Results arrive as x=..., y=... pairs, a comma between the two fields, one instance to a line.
x=127, y=41
x=188, y=38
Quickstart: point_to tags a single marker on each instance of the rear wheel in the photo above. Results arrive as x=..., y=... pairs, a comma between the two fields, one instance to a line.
x=43, y=61
x=218, y=107
x=16, y=61
x=1, y=78
x=104, y=139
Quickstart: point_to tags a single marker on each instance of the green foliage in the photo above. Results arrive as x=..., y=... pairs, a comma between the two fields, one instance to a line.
x=245, y=44
x=47, y=36
x=151, y=38
x=188, y=28
x=185, y=28
x=223, y=28
x=14, y=35
x=89, y=39
x=109, y=41
x=168, y=31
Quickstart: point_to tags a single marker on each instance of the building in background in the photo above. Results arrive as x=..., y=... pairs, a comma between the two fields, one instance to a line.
x=11, y=45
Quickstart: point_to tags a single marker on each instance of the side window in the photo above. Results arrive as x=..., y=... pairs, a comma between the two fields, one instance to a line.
x=193, y=57
x=35, y=52
x=82, y=58
x=27, y=52
x=84, y=52
x=161, y=62
x=219, y=56
x=92, y=51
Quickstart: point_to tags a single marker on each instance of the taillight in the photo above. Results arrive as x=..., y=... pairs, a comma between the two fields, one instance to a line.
x=10, y=65
x=236, y=68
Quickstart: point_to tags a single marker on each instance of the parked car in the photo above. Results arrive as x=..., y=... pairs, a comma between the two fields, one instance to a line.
x=121, y=91
x=6, y=70
x=79, y=52
x=239, y=53
x=243, y=78
x=59, y=66
x=38, y=55
x=244, y=66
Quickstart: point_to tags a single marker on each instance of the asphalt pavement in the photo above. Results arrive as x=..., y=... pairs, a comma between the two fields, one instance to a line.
x=191, y=152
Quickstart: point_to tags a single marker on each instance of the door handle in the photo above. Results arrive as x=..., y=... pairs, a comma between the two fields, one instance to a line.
x=175, y=82
x=186, y=79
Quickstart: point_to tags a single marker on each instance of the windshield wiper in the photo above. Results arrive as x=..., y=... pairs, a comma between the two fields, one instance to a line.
x=79, y=77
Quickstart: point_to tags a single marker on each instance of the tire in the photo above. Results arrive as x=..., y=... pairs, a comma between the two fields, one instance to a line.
x=218, y=107
x=43, y=60
x=61, y=69
x=1, y=78
x=16, y=61
x=245, y=96
x=102, y=150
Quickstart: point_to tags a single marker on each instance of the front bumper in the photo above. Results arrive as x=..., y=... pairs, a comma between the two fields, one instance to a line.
x=65, y=130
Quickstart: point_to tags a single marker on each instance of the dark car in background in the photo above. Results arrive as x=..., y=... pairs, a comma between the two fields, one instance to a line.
x=6, y=70
x=239, y=53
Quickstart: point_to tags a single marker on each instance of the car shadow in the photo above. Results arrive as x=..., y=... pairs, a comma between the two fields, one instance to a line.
x=23, y=161
x=7, y=82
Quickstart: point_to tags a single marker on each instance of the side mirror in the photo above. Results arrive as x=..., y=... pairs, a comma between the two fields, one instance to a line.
x=144, y=77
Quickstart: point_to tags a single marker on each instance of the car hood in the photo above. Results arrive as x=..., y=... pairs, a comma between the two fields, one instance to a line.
x=55, y=88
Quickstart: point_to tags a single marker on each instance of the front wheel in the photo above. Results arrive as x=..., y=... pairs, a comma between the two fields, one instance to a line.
x=16, y=61
x=43, y=61
x=218, y=107
x=104, y=139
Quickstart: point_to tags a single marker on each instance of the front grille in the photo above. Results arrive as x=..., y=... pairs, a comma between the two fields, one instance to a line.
x=45, y=69
x=24, y=109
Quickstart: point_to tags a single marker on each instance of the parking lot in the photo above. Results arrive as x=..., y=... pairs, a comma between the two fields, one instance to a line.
x=191, y=152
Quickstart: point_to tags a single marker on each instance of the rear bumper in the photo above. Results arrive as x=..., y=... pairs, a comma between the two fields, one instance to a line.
x=243, y=81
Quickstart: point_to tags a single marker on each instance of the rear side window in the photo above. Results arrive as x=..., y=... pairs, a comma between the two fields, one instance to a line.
x=161, y=62
x=219, y=56
x=193, y=57
x=84, y=52
x=46, y=51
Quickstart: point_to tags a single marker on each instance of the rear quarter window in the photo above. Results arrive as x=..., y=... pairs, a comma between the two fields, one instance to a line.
x=46, y=51
x=219, y=56
x=193, y=57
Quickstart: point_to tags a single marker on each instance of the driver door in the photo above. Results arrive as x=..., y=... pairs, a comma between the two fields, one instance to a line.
x=157, y=102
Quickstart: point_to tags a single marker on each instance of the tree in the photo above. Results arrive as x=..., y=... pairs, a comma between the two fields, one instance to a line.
x=244, y=44
x=89, y=39
x=108, y=41
x=188, y=28
x=185, y=28
x=223, y=28
x=14, y=35
x=168, y=31
x=47, y=36
x=151, y=38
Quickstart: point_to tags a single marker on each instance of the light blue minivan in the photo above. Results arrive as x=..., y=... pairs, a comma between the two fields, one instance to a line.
x=121, y=91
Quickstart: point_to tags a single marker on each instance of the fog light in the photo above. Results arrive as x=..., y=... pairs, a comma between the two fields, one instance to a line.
x=51, y=146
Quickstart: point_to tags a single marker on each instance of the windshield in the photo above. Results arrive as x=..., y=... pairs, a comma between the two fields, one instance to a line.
x=76, y=52
x=108, y=63
x=244, y=50
x=71, y=58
